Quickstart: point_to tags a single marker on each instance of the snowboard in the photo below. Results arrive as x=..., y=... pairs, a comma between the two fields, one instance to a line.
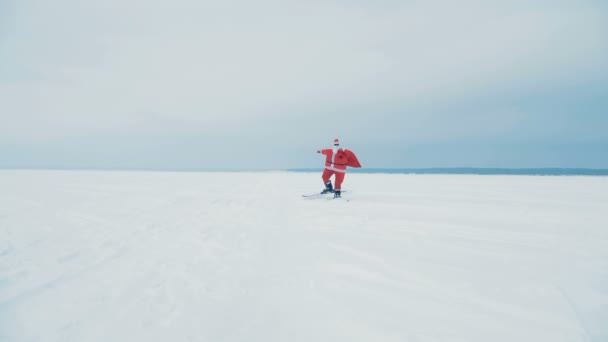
x=329, y=195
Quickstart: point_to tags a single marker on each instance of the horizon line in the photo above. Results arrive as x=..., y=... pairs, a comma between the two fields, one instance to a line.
x=583, y=171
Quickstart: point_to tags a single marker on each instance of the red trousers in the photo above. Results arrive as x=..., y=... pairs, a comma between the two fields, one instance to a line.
x=339, y=178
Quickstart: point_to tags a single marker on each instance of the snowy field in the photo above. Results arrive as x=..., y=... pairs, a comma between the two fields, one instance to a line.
x=136, y=256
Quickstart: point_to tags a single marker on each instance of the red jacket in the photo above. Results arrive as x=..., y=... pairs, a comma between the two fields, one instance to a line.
x=341, y=160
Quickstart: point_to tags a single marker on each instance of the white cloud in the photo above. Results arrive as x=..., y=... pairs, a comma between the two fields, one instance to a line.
x=199, y=66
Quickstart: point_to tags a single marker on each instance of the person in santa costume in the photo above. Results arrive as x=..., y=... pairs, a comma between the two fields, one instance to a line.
x=336, y=161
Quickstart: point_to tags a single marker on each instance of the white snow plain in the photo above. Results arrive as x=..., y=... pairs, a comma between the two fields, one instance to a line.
x=161, y=256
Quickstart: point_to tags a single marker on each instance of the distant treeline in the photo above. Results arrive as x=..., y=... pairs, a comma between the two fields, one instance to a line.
x=476, y=171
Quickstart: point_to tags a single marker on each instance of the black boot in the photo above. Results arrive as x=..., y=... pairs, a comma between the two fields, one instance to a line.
x=337, y=194
x=328, y=188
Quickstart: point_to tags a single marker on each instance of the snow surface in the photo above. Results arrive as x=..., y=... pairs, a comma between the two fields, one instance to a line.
x=145, y=256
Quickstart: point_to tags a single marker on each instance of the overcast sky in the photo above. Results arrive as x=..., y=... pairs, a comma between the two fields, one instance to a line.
x=195, y=84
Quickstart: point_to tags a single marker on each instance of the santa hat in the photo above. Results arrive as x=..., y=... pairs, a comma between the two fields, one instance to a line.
x=336, y=141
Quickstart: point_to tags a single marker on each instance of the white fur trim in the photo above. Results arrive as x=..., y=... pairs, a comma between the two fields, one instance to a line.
x=334, y=169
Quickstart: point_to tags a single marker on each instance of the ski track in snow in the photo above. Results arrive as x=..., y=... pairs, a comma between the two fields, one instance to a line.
x=153, y=256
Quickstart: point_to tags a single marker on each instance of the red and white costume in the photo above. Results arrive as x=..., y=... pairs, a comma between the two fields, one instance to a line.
x=336, y=161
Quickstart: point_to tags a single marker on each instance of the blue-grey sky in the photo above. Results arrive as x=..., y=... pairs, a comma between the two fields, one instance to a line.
x=195, y=84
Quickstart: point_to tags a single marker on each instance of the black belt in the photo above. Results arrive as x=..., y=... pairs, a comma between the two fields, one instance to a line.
x=334, y=163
